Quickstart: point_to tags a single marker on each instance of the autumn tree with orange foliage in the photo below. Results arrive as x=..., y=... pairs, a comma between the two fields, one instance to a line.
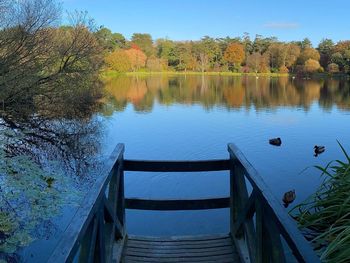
x=137, y=58
x=311, y=65
x=234, y=55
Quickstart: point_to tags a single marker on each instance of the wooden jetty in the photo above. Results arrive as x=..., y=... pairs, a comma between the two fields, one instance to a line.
x=260, y=228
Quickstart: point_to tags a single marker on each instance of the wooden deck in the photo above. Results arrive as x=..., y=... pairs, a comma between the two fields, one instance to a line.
x=215, y=248
x=260, y=231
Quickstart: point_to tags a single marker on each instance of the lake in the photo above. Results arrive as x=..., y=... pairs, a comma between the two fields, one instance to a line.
x=193, y=117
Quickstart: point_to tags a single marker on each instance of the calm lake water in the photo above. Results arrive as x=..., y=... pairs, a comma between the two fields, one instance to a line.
x=193, y=118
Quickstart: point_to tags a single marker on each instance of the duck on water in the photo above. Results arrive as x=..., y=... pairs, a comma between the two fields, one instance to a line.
x=318, y=150
x=276, y=141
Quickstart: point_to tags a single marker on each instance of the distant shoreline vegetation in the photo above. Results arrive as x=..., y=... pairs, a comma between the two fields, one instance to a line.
x=265, y=56
x=114, y=73
x=107, y=73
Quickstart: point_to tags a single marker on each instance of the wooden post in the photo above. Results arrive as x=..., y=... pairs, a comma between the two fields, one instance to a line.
x=238, y=201
x=121, y=196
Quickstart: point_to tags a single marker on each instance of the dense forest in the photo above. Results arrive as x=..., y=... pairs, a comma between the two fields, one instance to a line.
x=239, y=54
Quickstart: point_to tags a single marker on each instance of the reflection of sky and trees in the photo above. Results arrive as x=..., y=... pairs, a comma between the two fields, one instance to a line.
x=228, y=92
x=50, y=150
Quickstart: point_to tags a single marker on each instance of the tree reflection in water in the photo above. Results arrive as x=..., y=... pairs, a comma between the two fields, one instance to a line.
x=47, y=157
x=228, y=92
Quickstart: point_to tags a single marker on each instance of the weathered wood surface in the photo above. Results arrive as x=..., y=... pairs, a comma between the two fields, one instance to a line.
x=171, y=205
x=215, y=248
x=176, y=166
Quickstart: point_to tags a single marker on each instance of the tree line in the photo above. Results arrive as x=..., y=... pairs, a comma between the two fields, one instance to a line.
x=239, y=54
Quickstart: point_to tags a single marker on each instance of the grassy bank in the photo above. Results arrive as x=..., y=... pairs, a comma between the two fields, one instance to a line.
x=324, y=218
x=111, y=73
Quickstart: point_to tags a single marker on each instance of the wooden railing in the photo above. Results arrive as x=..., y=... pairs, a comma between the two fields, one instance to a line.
x=259, y=224
x=260, y=227
x=97, y=229
x=177, y=166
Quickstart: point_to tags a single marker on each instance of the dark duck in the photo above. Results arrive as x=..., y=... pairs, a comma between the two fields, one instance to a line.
x=276, y=141
x=288, y=198
x=318, y=150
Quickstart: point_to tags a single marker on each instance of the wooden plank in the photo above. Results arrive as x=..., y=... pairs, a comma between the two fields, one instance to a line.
x=183, y=253
x=136, y=244
x=178, y=250
x=74, y=232
x=171, y=205
x=176, y=166
x=301, y=249
x=180, y=238
x=222, y=259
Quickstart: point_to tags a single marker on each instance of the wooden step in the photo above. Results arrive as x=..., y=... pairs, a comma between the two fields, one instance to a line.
x=213, y=248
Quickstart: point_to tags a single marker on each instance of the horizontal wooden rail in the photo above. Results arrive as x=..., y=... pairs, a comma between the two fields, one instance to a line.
x=171, y=205
x=176, y=166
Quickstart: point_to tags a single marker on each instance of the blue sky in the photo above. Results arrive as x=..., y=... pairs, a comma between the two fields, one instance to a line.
x=192, y=19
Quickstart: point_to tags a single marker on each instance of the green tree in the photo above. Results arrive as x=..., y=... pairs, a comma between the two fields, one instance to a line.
x=325, y=47
x=212, y=48
x=341, y=55
x=165, y=50
x=184, y=57
x=108, y=40
x=305, y=43
x=261, y=44
x=119, y=40
x=145, y=42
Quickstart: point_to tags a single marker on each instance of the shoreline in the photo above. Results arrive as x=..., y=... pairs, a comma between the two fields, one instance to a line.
x=111, y=73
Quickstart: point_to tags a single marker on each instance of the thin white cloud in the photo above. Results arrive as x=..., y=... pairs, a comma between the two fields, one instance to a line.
x=281, y=25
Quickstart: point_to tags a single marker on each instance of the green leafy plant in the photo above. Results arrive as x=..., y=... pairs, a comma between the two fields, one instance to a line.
x=325, y=216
